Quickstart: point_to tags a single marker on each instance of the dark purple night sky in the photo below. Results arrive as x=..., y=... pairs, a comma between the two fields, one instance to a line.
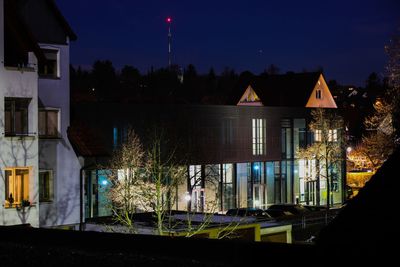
x=345, y=37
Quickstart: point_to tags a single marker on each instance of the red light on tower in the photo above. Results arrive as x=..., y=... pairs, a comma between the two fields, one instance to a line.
x=169, y=20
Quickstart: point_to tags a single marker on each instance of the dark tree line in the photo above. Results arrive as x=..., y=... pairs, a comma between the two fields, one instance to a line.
x=167, y=85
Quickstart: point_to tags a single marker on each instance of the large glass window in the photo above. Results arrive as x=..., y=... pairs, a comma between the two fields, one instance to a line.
x=212, y=187
x=258, y=173
x=228, y=190
x=45, y=185
x=16, y=186
x=16, y=116
x=299, y=135
x=96, y=193
x=270, y=182
x=278, y=184
x=48, y=123
x=196, y=187
x=243, y=175
x=259, y=136
x=286, y=138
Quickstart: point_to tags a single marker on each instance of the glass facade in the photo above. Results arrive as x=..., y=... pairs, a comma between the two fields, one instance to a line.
x=243, y=174
x=258, y=185
x=228, y=188
x=196, y=183
x=287, y=178
x=96, y=189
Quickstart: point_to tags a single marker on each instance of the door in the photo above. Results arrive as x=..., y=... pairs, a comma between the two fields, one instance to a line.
x=311, y=192
x=259, y=196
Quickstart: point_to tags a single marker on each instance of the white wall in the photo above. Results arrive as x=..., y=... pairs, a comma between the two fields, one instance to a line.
x=58, y=155
x=16, y=151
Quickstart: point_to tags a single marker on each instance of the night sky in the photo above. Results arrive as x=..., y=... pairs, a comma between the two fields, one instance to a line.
x=345, y=37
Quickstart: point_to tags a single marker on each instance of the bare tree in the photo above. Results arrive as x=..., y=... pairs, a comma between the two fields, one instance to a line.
x=126, y=176
x=393, y=72
x=147, y=181
x=143, y=181
x=379, y=141
x=326, y=153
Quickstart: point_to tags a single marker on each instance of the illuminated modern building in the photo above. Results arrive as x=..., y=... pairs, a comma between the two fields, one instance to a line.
x=237, y=155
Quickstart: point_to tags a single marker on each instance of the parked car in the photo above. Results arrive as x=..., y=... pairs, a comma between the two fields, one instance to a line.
x=248, y=212
x=287, y=210
x=277, y=213
x=315, y=208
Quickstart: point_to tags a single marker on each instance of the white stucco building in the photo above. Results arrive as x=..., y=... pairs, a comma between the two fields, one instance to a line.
x=19, y=141
x=40, y=150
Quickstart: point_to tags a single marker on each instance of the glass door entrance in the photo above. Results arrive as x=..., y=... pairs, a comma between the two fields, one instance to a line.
x=259, y=196
x=310, y=194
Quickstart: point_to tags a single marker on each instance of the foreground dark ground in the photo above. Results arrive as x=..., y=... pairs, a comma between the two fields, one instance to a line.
x=366, y=231
x=41, y=247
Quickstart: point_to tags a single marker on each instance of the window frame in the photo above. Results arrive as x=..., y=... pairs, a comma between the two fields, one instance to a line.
x=16, y=202
x=332, y=135
x=259, y=140
x=44, y=74
x=318, y=135
x=46, y=110
x=50, y=186
x=318, y=94
x=13, y=119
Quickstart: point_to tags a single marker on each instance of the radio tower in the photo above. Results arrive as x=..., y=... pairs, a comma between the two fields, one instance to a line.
x=169, y=21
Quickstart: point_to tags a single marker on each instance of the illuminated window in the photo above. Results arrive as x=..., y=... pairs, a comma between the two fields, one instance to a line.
x=318, y=94
x=259, y=136
x=49, y=123
x=196, y=185
x=45, y=185
x=16, y=186
x=228, y=195
x=50, y=68
x=318, y=135
x=16, y=116
x=332, y=135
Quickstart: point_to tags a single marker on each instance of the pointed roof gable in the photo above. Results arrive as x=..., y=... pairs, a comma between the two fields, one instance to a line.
x=321, y=96
x=250, y=98
x=287, y=90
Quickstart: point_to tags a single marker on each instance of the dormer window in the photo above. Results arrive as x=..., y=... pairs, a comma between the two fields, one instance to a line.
x=318, y=94
x=50, y=68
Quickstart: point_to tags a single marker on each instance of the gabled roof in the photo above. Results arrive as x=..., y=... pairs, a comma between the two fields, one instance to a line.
x=250, y=98
x=45, y=20
x=289, y=90
x=67, y=28
x=16, y=29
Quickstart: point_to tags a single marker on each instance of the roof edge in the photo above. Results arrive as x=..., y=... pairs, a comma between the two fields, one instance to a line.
x=67, y=28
